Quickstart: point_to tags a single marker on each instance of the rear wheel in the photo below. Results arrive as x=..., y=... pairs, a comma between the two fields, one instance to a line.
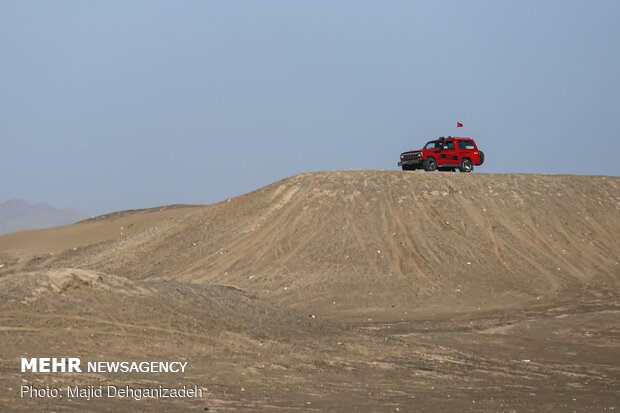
x=466, y=165
x=429, y=164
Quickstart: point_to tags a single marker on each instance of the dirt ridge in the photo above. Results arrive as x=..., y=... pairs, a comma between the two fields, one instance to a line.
x=372, y=239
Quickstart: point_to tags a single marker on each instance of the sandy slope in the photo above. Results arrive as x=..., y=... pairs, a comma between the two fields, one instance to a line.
x=376, y=243
x=432, y=292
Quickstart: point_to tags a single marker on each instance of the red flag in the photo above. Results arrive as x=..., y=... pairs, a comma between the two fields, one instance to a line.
x=459, y=125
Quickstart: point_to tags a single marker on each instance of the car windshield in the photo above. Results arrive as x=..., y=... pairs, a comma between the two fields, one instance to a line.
x=433, y=145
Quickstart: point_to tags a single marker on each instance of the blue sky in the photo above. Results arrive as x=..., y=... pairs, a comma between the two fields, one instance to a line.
x=113, y=105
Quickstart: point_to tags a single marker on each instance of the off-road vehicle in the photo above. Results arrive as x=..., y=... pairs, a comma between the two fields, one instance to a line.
x=444, y=154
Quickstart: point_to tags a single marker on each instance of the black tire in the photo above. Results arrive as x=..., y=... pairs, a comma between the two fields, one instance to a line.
x=481, y=158
x=466, y=165
x=429, y=164
x=406, y=168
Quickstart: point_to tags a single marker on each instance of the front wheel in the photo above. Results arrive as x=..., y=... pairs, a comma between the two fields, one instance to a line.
x=466, y=165
x=429, y=164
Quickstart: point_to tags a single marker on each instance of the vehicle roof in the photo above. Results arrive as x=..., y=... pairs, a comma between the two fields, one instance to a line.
x=451, y=137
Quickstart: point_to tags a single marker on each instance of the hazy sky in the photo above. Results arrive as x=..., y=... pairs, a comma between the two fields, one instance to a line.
x=114, y=105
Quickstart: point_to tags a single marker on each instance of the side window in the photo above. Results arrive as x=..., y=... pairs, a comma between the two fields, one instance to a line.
x=466, y=145
x=450, y=145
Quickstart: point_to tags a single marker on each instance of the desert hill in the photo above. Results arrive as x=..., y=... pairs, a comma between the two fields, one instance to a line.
x=363, y=243
x=333, y=291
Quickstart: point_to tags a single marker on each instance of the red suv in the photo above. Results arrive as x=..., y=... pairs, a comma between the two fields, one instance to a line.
x=444, y=154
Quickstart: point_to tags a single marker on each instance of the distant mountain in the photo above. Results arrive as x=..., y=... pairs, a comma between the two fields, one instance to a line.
x=17, y=215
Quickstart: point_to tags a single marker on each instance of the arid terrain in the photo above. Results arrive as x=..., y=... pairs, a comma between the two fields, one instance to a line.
x=369, y=291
